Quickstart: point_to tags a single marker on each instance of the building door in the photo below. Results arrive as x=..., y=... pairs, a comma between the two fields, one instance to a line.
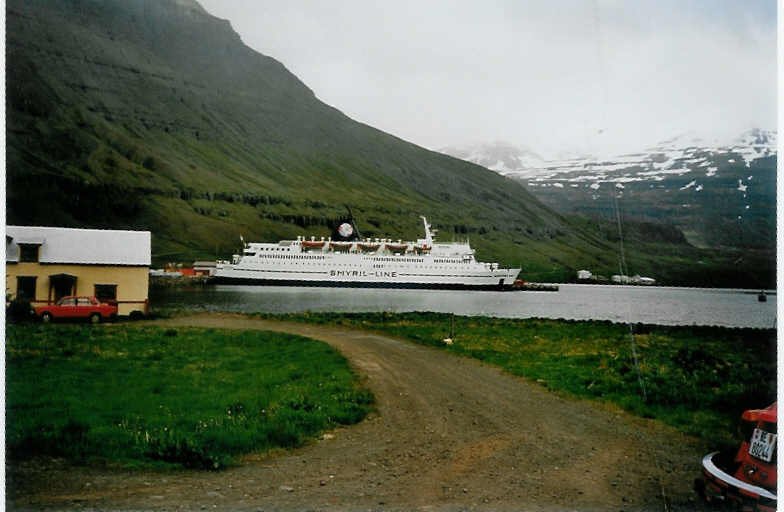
x=61, y=285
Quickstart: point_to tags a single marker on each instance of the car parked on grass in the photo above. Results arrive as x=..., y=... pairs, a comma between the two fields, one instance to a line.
x=74, y=307
x=746, y=481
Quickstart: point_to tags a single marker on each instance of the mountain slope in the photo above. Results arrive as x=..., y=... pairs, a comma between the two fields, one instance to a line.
x=152, y=114
x=164, y=102
x=718, y=194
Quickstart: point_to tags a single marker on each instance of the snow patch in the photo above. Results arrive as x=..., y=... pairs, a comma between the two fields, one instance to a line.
x=500, y=166
x=689, y=185
x=741, y=186
x=674, y=172
x=627, y=179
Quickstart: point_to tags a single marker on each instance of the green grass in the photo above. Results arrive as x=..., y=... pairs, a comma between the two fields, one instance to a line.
x=148, y=396
x=697, y=379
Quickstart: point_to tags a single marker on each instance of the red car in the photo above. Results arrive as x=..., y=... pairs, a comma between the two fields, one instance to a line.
x=73, y=307
x=748, y=480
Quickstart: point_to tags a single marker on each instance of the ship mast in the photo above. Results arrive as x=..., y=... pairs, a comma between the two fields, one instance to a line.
x=428, y=233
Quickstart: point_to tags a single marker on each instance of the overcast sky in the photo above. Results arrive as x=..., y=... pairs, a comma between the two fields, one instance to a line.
x=565, y=75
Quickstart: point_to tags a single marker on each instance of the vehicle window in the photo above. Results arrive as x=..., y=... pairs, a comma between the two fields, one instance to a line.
x=68, y=302
x=84, y=301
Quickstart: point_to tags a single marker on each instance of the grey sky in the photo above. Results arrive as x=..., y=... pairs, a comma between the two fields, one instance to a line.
x=599, y=75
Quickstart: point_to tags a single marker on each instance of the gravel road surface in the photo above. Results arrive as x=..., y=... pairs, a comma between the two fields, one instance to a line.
x=450, y=434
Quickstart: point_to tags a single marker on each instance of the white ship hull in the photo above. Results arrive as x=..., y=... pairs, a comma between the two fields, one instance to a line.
x=365, y=276
x=368, y=264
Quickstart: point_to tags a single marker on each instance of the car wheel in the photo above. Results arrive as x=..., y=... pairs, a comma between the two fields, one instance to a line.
x=46, y=317
x=95, y=318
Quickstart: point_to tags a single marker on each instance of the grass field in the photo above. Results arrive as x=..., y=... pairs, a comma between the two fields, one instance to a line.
x=698, y=379
x=148, y=396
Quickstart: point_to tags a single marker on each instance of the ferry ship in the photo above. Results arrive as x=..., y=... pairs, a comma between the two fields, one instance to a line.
x=347, y=260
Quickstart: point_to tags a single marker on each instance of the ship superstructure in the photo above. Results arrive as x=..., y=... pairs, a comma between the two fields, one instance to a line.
x=349, y=261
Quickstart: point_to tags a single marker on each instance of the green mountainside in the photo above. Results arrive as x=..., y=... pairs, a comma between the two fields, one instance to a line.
x=734, y=207
x=152, y=114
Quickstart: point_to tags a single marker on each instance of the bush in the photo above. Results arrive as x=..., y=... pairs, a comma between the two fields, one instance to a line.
x=19, y=310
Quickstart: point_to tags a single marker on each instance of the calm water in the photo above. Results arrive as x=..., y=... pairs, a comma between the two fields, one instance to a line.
x=652, y=305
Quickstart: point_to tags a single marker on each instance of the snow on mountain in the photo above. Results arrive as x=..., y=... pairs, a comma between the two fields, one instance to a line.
x=719, y=193
x=501, y=157
x=675, y=156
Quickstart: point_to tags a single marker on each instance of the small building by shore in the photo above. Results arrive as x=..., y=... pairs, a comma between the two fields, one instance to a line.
x=204, y=268
x=584, y=275
x=636, y=279
x=44, y=264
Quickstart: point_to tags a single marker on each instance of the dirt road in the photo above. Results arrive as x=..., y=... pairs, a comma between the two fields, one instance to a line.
x=450, y=434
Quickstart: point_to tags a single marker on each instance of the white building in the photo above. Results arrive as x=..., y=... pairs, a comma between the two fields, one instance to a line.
x=584, y=275
x=44, y=264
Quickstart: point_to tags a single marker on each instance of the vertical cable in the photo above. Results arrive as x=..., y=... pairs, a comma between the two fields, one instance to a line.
x=622, y=266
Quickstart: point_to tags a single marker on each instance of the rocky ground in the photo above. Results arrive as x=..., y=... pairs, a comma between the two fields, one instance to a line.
x=450, y=434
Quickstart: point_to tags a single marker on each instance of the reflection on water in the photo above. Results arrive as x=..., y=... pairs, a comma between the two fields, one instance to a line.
x=653, y=305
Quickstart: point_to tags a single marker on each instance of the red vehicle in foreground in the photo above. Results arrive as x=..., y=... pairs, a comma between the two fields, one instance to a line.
x=747, y=480
x=73, y=307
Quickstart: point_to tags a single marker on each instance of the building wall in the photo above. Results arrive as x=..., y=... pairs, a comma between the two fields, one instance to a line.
x=132, y=282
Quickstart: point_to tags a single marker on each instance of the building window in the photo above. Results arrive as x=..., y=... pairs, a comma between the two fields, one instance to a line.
x=106, y=292
x=25, y=288
x=28, y=253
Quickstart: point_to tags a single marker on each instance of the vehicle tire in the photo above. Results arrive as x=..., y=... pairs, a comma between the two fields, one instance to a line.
x=46, y=317
x=95, y=318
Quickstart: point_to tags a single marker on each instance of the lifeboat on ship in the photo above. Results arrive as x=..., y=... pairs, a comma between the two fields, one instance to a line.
x=340, y=246
x=422, y=249
x=368, y=247
x=311, y=245
x=396, y=247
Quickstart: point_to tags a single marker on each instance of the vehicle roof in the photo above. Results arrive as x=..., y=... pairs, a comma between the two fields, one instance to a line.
x=768, y=414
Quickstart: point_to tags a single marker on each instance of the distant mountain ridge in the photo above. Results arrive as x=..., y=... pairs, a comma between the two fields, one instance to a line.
x=671, y=154
x=717, y=193
x=502, y=157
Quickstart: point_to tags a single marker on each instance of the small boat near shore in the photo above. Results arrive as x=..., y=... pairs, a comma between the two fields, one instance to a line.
x=346, y=260
x=520, y=285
